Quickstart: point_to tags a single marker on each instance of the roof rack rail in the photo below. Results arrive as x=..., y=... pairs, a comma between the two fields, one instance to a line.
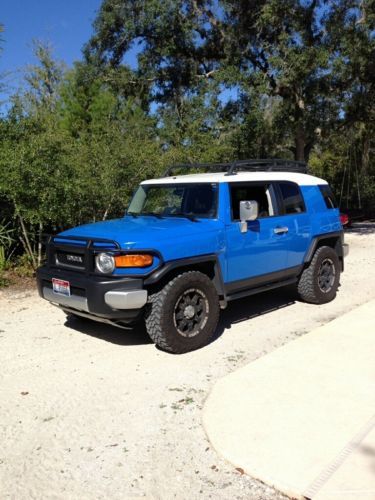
x=231, y=168
x=213, y=167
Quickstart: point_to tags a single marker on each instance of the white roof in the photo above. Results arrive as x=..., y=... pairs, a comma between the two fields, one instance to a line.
x=301, y=179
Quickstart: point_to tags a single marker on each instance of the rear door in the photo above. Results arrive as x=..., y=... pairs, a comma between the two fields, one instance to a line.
x=294, y=217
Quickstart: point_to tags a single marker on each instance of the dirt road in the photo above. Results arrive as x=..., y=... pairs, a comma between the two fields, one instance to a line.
x=88, y=411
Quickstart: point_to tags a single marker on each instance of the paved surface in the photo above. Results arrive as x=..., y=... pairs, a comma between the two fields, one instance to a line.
x=302, y=418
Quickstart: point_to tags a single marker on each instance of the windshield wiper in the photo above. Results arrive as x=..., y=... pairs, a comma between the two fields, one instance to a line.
x=187, y=216
x=133, y=214
x=155, y=214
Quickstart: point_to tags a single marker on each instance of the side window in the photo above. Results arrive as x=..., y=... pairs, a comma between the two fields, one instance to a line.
x=328, y=196
x=291, y=198
x=262, y=193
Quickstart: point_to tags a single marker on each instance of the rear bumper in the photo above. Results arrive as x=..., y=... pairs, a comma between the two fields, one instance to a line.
x=120, y=300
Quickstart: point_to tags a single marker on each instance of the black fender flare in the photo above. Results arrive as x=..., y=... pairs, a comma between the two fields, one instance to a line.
x=338, y=236
x=217, y=280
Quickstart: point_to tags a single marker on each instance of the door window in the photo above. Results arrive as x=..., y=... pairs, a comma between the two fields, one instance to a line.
x=263, y=193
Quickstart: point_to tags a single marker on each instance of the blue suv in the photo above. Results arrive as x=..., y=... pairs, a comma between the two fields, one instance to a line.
x=189, y=244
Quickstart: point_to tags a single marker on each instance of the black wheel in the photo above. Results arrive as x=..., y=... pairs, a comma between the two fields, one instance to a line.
x=183, y=315
x=319, y=281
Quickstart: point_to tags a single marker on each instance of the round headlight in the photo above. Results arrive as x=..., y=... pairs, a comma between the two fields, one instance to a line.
x=105, y=263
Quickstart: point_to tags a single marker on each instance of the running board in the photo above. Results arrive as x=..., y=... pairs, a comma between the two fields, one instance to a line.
x=259, y=289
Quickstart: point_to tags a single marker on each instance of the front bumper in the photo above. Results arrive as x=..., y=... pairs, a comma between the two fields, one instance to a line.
x=114, y=299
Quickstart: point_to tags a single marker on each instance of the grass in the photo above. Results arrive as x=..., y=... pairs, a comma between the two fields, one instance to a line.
x=4, y=281
x=18, y=273
x=13, y=278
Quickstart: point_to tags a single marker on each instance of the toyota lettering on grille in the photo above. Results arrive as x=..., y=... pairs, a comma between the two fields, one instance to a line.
x=74, y=258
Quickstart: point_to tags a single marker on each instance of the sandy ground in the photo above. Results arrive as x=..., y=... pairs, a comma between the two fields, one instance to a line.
x=88, y=411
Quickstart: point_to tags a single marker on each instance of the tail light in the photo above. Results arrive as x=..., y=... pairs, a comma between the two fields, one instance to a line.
x=344, y=219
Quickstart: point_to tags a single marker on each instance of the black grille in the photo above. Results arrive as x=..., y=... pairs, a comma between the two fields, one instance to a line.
x=69, y=259
x=76, y=253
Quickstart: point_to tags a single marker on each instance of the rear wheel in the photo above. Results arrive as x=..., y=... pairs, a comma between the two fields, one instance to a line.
x=184, y=314
x=319, y=281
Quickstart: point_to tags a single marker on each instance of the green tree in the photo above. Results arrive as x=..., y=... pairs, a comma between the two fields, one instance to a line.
x=115, y=144
x=282, y=49
x=177, y=41
x=34, y=177
x=353, y=28
x=178, y=59
x=272, y=48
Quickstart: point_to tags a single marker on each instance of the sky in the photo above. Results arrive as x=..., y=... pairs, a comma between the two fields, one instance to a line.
x=66, y=24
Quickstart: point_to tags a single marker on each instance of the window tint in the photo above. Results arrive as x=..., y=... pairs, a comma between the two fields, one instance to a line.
x=246, y=192
x=199, y=200
x=291, y=197
x=328, y=196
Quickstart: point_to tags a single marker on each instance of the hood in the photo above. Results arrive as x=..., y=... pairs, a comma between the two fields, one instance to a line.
x=148, y=232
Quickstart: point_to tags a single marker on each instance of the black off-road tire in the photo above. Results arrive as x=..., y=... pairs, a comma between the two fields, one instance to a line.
x=309, y=288
x=161, y=320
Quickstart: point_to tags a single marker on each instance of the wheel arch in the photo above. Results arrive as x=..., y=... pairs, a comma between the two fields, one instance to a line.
x=206, y=264
x=333, y=240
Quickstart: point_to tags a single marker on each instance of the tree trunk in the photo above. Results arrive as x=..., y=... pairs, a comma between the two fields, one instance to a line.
x=365, y=154
x=106, y=212
x=40, y=243
x=300, y=143
x=26, y=242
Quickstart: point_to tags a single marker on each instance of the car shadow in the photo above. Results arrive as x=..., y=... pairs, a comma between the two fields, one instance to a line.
x=253, y=306
x=113, y=334
x=237, y=311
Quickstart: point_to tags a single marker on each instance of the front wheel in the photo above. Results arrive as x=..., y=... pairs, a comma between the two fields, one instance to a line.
x=319, y=281
x=184, y=314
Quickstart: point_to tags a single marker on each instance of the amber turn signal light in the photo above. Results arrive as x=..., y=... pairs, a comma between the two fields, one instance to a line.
x=134, y=260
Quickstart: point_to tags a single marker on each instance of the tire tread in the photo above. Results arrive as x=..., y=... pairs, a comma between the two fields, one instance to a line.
x=154, y=311
x=306, y=284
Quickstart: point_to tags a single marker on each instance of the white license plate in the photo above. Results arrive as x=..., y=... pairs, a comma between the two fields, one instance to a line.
x=61, y=287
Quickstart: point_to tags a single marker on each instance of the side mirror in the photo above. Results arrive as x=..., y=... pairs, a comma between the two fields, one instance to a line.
x=249, y=210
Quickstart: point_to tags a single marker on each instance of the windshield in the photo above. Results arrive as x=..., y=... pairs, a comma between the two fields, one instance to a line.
x=171, y=200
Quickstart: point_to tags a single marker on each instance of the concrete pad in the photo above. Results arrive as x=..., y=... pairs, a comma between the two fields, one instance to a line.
x=355, y=478
x=302, y=418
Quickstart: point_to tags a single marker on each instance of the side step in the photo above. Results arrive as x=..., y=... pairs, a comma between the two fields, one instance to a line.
x=263, y=288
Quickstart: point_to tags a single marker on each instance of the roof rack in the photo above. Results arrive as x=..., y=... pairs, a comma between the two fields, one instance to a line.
x=231, y=168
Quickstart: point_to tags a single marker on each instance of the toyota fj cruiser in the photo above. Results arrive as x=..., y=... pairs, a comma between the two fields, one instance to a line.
x=189, y=244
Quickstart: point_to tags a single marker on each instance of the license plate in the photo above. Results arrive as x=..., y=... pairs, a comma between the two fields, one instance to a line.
x=61, y=287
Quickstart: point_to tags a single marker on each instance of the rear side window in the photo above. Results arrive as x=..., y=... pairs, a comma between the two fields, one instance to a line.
x=328, y=196
x=291, y=198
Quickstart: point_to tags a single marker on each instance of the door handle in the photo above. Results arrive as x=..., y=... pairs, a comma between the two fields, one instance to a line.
x=281, y=230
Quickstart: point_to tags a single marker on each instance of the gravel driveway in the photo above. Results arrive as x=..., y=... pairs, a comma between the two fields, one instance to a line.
x=88, y=411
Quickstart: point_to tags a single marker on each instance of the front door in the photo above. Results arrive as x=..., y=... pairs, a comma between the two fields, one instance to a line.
x=263, y=248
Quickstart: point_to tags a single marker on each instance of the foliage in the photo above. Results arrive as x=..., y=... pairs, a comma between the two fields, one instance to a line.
x=6, y=241
x=6, y=234
x=23, y=266
x=213, y=80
